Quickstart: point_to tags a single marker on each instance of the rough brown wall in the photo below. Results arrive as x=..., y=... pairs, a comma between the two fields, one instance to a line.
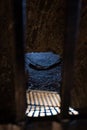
x=6, y=58
x=45, y=25
x=12, y=84
x=79, y=93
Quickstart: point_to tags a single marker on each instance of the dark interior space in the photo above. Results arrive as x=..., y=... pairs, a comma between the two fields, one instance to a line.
x=43, y=54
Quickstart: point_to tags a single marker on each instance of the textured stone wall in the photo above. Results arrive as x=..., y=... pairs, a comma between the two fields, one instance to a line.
x=45, y=25
x=79, y=93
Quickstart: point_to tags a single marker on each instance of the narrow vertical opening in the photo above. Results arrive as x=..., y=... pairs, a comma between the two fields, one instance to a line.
x=43, y=67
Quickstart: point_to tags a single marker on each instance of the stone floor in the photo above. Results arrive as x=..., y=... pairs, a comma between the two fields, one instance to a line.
x=43, y=71
x=48, y=125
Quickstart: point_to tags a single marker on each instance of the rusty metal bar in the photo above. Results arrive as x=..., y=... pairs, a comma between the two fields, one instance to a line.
x=71, y=36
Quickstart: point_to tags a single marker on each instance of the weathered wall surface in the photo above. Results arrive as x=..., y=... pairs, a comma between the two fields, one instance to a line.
x=45, y=25
x=11, y=73
x=79, y=93
x=6, y=67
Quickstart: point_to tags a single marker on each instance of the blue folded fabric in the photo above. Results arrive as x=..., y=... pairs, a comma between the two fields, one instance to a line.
x=43, y=60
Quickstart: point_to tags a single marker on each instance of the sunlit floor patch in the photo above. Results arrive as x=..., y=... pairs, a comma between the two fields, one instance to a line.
x=44, y=103
x=72, y=111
